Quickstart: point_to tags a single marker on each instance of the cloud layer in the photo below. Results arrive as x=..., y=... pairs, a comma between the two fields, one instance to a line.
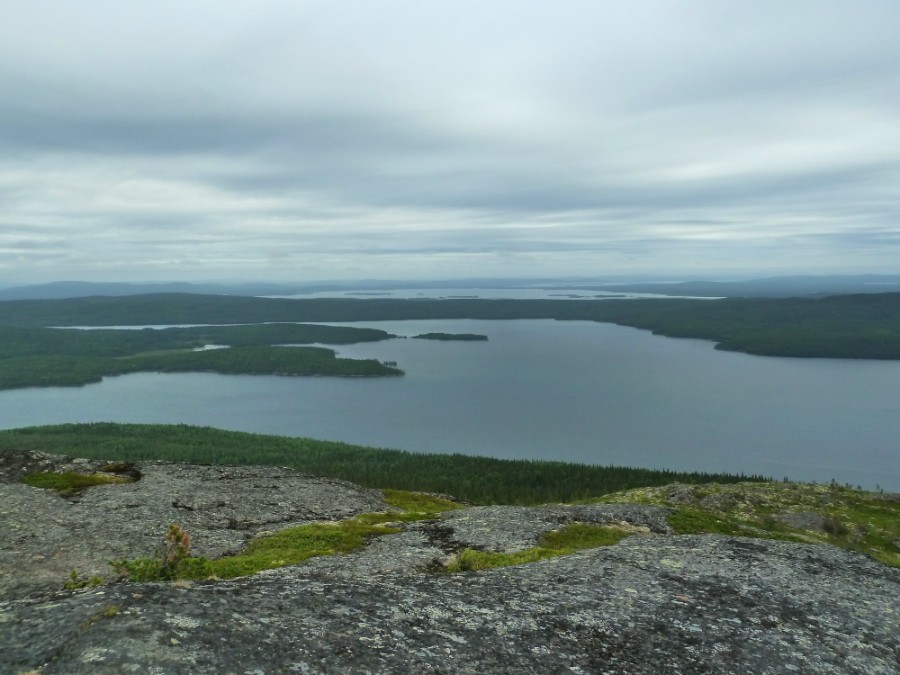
x=336, y=139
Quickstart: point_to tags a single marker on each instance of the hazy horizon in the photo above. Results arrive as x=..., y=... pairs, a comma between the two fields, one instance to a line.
x=449, y=282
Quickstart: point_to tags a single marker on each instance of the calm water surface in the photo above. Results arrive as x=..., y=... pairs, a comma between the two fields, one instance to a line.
x=543, y=389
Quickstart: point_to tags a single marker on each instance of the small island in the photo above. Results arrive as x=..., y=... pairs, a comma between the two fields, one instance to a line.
x=464, y=337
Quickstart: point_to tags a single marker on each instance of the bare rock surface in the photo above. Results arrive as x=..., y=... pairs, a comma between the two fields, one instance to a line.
x=515, y=528
x=220, y=506
x=654, y=603
x=685, y=604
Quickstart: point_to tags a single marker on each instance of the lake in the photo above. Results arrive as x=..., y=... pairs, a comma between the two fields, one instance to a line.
x=542, y=389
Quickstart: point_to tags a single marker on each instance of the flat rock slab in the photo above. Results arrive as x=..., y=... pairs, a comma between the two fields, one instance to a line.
x=654, y=603
x=220, y=506
x=516, y=528
x=651, y=604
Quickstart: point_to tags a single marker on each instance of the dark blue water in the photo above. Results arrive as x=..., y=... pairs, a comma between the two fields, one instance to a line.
x=574, y=391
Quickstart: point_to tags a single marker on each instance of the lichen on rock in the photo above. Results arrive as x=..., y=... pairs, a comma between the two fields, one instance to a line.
x=656, y=602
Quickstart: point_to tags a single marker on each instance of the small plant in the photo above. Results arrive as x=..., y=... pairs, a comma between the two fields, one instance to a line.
x=177, y=547
x=833, y=525
x=107, y=612
x=76, y=582
x=175, y=561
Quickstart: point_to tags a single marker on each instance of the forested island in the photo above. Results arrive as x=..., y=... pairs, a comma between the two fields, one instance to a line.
x=449, y=337
x=844, y=326
x=31, y=357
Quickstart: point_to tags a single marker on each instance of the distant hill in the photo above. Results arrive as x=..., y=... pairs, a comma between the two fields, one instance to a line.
x=59, y=290
x=770, y=287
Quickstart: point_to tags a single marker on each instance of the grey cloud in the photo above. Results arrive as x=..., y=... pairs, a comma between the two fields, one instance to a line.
x=577, y=132
x=32, y=245
x=311, y=134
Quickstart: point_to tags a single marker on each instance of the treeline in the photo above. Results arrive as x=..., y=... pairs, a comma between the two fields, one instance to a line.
x=36, y=357
x=846, y=326
x=18, y=341
x=72, y=371
x=481, y=480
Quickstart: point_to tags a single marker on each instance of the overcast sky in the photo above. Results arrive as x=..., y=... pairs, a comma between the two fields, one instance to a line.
x=294, y=140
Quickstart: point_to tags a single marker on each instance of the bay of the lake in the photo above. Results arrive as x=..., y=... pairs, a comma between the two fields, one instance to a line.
x=542, y=389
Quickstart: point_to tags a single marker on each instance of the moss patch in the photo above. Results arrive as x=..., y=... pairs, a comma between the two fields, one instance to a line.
x=419, y=502
x=867, y=522
x=573, y=538
x=69, y=483
x=289, y=546
x=297, y=544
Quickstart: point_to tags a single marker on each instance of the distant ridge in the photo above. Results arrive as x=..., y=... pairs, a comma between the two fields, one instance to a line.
x=59, y=290
x=768, y=287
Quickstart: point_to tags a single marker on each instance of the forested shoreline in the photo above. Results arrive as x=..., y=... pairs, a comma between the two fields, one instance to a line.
x=844, y=326
x=480, y=480
x=42, y=357
x=263, y=333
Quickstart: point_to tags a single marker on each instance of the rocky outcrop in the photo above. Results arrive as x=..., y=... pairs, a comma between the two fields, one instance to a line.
x=654, y=603
x=45, y=536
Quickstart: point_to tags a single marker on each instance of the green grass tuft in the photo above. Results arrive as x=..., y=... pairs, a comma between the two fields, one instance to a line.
x=418, y=502
x=297, y=544
x=69, y=483
x=578, y=536
x=575, y=537
x=686, y=520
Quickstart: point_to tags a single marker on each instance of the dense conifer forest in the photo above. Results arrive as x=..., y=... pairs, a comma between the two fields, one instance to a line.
x=31, y=357
x=480, y=480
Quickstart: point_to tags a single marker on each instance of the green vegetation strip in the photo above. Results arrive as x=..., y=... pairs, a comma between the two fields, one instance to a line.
x=295, y=545
x=289, y=546
x=868, y=522
x=480, y=480
x=575, y=537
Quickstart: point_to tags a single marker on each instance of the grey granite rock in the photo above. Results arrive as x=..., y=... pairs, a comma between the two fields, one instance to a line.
x=220, y=506
x=654, y=603
x=515, y=528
